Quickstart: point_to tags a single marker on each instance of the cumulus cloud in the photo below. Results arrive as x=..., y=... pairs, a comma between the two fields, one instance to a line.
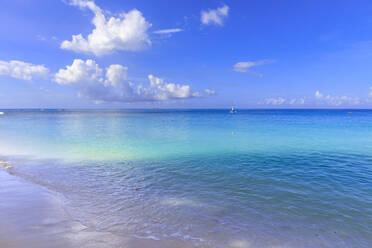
x=165, y=91
x=336, y=100
x=168, y=31
x=114, y=86
x=127, y=32
x=209, y=92
x=116, y=75
x=247, y=65
x=23, y=70
x=215, y=16
x=80, y=72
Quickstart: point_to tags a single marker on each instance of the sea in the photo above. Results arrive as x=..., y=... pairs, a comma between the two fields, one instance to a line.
x=203, y=178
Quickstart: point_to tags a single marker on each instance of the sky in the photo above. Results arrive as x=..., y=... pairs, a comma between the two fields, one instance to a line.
x=185, y=54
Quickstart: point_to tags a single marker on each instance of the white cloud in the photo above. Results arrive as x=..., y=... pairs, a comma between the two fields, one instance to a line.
x=114, y=86
x=336, y=100
x=282, y=100
x=320, y=98
x=247, y=65
x=209, y=92
x=215, y=16
x=80, y=72
x=116, y=75
x=275, y=101
x=165, y=91
x=298, y=101
x=22, y=70
x=168, y=31
x=41, y=37
x=128, y=32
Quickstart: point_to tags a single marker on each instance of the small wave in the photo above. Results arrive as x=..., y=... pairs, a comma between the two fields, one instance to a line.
x=146, y=237
x=181, y=202
x=186, y=237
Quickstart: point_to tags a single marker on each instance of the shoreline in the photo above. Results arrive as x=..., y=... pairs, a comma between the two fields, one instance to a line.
x=33, y=216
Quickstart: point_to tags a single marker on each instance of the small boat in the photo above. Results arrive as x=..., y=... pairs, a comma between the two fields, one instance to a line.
x=233, y=110
x=1, y=113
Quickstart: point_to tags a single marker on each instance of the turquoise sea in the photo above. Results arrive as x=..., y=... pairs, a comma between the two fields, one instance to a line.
x=203, y=178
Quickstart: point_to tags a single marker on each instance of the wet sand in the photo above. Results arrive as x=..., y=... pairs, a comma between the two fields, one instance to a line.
x=32, y=216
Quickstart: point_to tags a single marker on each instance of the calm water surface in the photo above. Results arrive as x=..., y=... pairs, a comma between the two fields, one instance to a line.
x=204, y=178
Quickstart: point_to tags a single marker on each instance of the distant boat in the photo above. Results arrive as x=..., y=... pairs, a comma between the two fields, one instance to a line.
x=233, y=110
x=1, y=113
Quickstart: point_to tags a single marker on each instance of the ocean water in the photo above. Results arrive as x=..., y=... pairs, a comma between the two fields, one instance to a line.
x=204, y=178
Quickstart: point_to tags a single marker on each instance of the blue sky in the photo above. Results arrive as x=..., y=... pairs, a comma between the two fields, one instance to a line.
x=185, y=54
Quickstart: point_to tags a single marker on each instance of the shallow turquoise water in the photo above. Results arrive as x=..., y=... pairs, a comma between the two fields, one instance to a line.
x=260, y=178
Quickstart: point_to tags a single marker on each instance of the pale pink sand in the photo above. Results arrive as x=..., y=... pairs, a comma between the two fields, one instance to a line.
x=31, y=216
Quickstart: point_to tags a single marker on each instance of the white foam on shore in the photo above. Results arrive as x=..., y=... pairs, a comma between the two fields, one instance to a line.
x=146, y=237
x=33, y=216
x=239, y=244
x=6, y=165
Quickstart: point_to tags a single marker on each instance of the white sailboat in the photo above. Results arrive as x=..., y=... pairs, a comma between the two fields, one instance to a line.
x=233, y=110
